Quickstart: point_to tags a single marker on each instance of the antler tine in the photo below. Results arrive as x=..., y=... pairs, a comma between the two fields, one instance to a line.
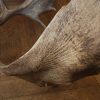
x=2, y=5
x=37, y=7
x=5, y=12
x=30, y=8
x=25, y=4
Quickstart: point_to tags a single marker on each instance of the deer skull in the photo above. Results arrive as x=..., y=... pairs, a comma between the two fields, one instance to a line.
x=70, y=44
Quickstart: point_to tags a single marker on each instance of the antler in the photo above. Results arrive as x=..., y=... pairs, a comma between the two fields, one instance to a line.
x=30, y=8
x=4, y=11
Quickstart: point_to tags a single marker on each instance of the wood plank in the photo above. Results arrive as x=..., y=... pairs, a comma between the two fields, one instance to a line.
x=19, y=89
x=98, y=78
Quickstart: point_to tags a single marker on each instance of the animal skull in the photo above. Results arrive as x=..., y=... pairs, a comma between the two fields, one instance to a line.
x=70, y=44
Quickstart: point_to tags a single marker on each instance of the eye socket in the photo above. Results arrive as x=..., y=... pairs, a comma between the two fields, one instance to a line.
x=11, y=4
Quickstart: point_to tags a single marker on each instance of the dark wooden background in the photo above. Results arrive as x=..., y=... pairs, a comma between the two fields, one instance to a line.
x=17, y=36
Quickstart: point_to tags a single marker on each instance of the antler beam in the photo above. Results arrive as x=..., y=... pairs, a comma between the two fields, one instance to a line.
x=30, y=8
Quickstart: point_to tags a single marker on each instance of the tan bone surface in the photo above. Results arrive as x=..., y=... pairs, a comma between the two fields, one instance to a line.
x=23, y=87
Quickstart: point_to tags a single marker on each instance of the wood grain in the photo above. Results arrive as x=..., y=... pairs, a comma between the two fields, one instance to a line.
x=16, y=37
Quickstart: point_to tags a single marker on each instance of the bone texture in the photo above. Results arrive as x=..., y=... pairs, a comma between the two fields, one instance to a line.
x=70, y=43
